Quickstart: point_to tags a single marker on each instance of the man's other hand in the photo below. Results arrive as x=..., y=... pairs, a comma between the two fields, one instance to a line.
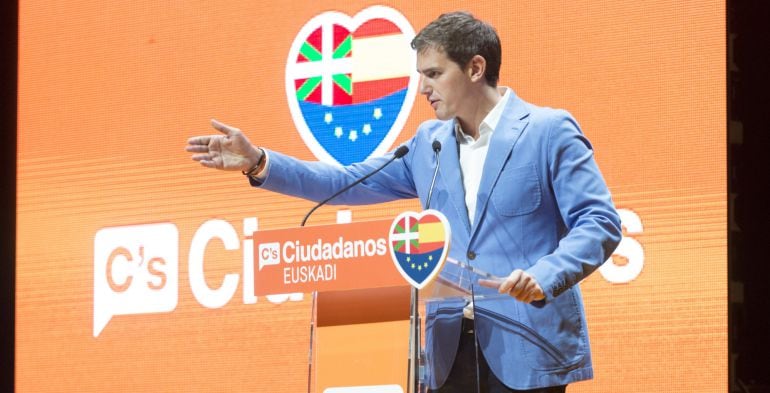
x=518, y=284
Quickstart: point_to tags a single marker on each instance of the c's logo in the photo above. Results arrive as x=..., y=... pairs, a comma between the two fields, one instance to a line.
x=154, y=268
x=269, y=254
x=351, y=82
x=136, y=271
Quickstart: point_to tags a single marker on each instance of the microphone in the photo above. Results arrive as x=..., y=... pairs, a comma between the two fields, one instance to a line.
x=400, y=152
x=436, y=149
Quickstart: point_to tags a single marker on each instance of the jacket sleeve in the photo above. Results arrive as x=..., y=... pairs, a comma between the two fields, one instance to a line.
x=316, y=181
x=585, y=205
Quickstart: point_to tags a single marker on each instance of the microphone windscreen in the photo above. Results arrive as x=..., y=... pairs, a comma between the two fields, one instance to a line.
x=401, y=151
x=436, y=146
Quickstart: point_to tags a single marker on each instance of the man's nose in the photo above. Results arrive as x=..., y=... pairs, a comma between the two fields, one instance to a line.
x=424, y=87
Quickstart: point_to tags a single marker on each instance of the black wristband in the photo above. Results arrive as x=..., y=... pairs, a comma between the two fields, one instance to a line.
x=256, y=166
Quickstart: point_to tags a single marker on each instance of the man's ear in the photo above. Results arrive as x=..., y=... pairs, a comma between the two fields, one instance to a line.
x=476, y=68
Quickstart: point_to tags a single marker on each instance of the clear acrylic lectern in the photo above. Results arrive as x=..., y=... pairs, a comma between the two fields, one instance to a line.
x=389, y=312
x=442, y=304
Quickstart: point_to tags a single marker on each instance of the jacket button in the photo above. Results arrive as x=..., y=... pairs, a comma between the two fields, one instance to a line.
x=471, y=255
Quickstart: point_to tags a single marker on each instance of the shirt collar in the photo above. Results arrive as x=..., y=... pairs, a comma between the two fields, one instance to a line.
x=490, y=121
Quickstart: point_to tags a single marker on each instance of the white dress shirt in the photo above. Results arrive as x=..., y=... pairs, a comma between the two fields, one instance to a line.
x=473, y=152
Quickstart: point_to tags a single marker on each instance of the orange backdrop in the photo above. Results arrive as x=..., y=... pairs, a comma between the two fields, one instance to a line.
x=109, y=91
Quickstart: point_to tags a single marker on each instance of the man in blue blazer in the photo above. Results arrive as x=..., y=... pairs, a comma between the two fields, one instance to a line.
x=523, y=195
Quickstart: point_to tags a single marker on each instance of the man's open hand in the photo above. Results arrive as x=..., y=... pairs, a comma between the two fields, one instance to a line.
x=231, y=151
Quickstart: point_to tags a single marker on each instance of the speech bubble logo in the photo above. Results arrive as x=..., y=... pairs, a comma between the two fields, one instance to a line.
x=136, y=271
x=269, y=254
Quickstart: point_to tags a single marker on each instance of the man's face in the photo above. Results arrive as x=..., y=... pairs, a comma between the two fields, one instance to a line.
x=443, y=83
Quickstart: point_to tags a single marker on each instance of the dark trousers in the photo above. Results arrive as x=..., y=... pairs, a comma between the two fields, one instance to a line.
x=462, y=377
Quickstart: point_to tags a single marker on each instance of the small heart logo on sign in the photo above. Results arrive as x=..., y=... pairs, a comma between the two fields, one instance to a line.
x=419, y=245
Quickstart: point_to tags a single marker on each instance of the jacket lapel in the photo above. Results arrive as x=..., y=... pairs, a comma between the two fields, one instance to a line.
x=512, y=123
x=450, y=173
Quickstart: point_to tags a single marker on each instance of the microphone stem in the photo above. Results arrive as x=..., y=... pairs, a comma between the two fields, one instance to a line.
x=433, y=182
x=304, y=220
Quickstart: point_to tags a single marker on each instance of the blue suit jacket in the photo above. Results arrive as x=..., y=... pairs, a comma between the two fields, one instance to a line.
x=542, y=206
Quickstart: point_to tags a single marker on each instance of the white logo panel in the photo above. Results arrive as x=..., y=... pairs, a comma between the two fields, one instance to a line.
x=136, y=271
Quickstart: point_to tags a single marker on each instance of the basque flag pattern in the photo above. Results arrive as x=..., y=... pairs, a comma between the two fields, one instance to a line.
x=350, y=86
x=418, y=245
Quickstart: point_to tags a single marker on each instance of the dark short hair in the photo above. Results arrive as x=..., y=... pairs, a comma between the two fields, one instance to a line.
x=461, y=36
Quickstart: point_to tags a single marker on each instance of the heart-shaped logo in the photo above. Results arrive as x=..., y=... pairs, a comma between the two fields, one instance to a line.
x=351, y=82
x=419, y=245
